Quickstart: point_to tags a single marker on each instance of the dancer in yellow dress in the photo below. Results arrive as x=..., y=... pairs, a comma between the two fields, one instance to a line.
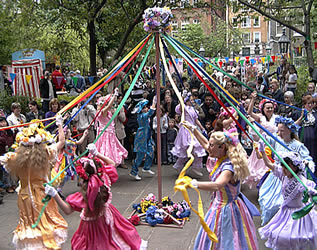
x=31, y=165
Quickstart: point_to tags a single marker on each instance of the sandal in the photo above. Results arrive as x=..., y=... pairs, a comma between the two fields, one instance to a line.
x=10, y=190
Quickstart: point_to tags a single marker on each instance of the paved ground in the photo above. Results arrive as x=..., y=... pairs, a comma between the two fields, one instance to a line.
x=126, y=192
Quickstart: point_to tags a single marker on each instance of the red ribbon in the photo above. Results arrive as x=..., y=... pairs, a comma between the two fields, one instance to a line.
x=219, y=101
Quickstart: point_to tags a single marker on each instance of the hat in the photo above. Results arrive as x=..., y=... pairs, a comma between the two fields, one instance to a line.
x=77, y=71
x=71, y=72
x=140, y=106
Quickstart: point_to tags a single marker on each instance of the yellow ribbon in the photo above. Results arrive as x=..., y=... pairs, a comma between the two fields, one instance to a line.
x=102, y=79
x=219, y=161
x=183, y=182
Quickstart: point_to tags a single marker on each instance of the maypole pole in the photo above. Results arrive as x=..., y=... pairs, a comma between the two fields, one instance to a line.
x=158, y=116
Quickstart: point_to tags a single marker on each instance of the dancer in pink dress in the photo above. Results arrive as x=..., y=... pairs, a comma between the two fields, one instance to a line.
x=102, y=226
x=108, y=144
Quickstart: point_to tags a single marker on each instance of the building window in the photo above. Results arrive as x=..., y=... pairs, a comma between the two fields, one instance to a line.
x=234, y=22
x=174, y=24
x=195, y=2
x=184, y=3
x=246, y=22
x=196, y=21
x=246, y=37
x=184, y=23
x=256, y=22
x=257, y=37
x=246, y=51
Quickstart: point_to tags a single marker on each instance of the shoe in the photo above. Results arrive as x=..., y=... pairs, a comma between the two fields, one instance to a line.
x=148, y=171
x=124, y=166
x=136, y=177
x=197, y=172
x=10, y=190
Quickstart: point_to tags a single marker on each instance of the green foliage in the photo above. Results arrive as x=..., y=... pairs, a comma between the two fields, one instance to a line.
x=217, y=42
x=6, y=100
x=302, y=83
x=67, y=98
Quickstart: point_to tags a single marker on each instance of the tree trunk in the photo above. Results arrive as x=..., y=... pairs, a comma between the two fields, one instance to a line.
x=308, y=44
x=92, y=47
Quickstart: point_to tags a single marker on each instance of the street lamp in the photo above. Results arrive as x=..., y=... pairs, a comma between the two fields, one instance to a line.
x=268, y=49
x=202, y=51
x=284, y=42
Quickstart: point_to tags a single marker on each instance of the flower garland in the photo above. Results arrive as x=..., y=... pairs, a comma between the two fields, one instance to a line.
x=155, y=214
x=157, y=18
x=288, y=122
x=32, y=134
x=264, y=101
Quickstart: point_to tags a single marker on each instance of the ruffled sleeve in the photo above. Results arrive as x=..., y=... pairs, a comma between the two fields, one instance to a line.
x=112, y=173
x=76, y=201
x=278, y=171
x=228, y=166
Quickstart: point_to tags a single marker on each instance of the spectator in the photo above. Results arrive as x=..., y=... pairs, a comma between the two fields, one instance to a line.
x=163, y=128
x=288, y=111
x=81, y=84
x=47, y=91
x=291, y=79
x=54, y=108
x=210, y=108
x=311, y=89
x=169, y=106
x=277, y=93
x=82, y=121
x=194, y=82
x=6, y=141
x=171, y=136
x=259, y=86
x=58, y=78
x=34, y=113
x=16, y=117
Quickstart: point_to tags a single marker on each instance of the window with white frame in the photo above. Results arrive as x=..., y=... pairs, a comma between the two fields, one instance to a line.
x=174, y=24
x=256, y=22
x=257, y=37
x=196, y=21
x=246, y=51
x=184, y=23
x=246, y=22
x=184, y=3
x=235, y=22
x=246, y=37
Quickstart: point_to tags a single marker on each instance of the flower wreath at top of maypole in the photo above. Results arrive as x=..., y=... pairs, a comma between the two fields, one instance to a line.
x=157, y=19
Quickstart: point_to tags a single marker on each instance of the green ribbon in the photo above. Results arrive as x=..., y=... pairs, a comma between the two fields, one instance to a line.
x=47, y=198
x=198, y=68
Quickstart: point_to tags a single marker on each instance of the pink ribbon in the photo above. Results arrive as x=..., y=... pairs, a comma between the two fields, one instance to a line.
x=93, y=189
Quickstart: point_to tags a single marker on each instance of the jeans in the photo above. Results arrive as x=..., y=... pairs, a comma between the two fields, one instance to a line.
x=138, y=161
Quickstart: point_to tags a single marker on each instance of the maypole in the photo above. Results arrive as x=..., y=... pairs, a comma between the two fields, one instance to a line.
x=158, y=115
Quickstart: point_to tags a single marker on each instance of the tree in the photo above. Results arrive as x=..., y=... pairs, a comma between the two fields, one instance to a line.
x=297, y=15
x=219, y=41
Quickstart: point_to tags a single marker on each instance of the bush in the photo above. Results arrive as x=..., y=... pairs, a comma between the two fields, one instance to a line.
x=303, y=78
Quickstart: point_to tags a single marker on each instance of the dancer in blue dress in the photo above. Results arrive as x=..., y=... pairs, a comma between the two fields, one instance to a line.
x=270, y=192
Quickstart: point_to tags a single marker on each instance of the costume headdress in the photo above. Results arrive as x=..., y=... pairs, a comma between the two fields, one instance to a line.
x=294, y=157
x=32, y=134
x=140, y=105
x=187, y=97
x=288, y=122
x=263, y=102
x=232, y=138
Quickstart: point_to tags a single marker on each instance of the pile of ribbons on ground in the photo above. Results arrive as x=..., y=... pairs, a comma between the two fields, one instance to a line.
x=154, y=212
x=128, y=62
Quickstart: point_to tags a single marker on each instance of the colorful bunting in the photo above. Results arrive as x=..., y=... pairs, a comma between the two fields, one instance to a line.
x=241, y=62
x=227, y=59
x=220, y=64
x=273, y=58
x=12, y=76
x=237, y=59
x=28, y=78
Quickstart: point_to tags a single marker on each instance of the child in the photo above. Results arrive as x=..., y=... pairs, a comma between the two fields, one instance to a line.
x=102, y=226
x=31, y=164
x=163, y=127
x=66, y=155
x=171, y=136
x=282, y=231
x=108, y=140
x=208, y=127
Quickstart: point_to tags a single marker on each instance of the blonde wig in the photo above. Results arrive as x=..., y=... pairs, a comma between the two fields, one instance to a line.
x=36, y=157
x=236, y=154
